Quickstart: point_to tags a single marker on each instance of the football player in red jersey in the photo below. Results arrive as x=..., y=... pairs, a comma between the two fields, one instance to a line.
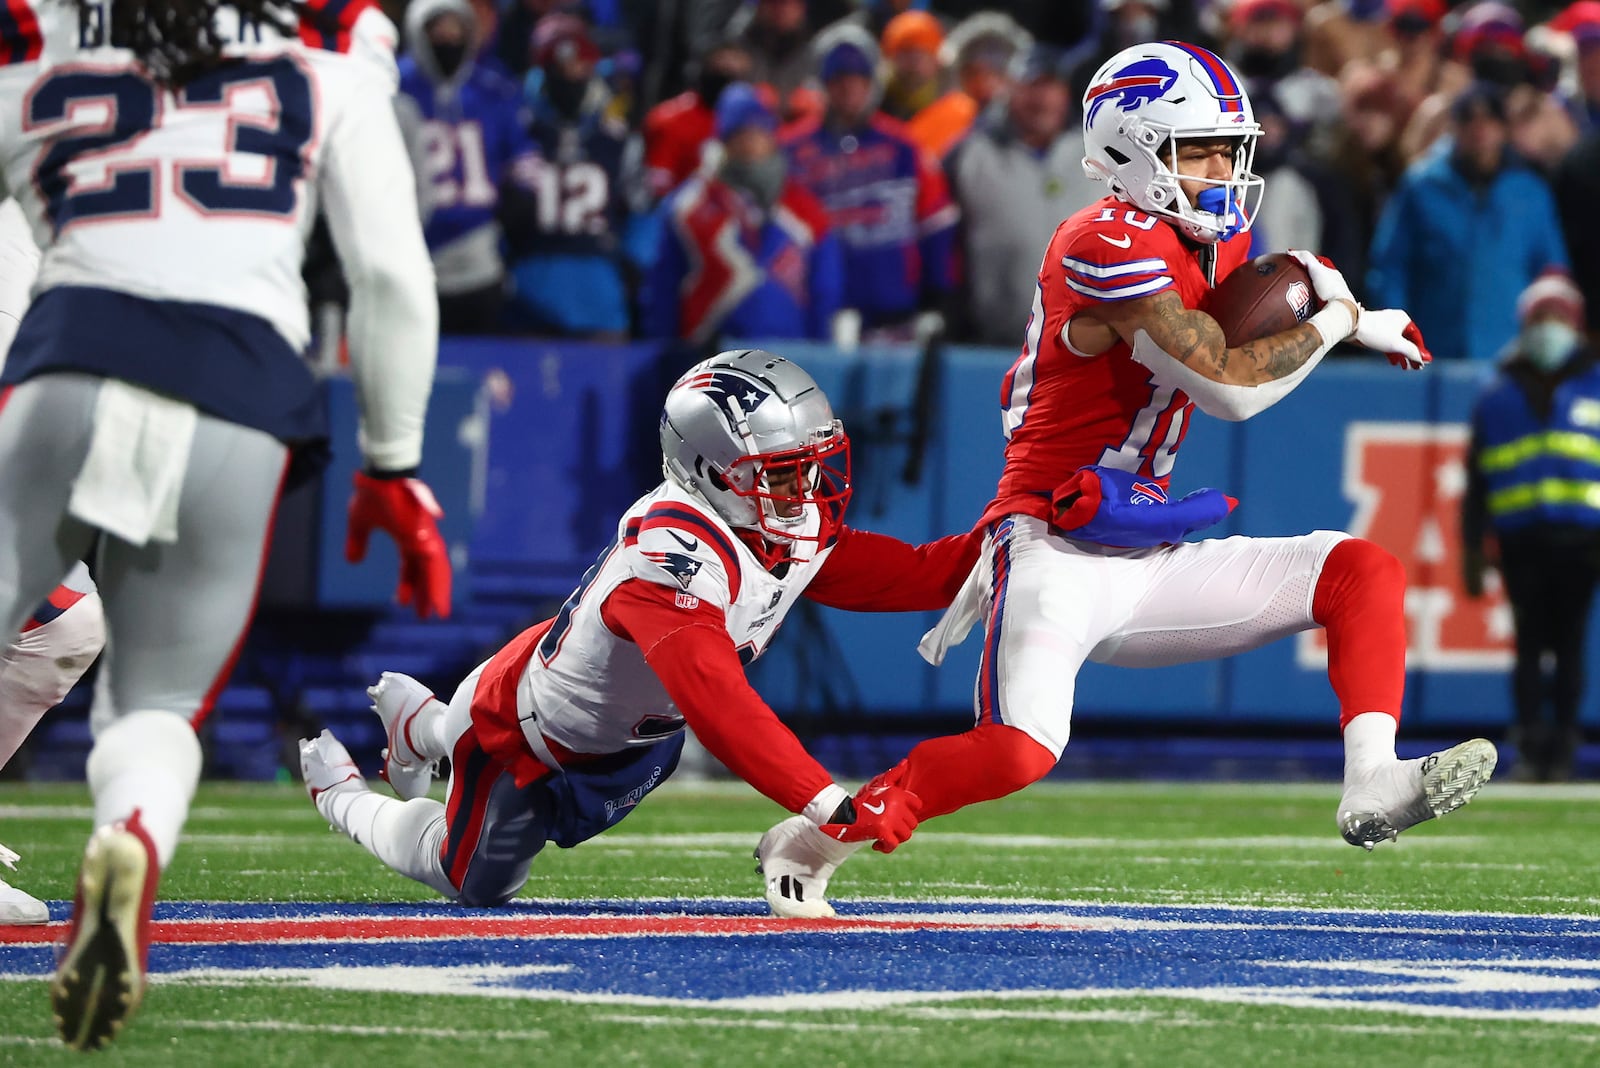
x=1116, y=358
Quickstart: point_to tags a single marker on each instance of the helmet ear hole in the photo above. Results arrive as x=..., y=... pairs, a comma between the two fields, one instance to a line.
x=1120, y=158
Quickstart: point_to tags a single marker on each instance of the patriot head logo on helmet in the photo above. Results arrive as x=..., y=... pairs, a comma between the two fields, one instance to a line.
x=755, y=436
x=1141, y=104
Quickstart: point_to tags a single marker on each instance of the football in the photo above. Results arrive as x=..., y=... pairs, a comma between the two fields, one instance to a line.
x=1266, y=296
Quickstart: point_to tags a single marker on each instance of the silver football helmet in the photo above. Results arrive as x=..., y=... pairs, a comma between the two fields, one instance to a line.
x=755, y=436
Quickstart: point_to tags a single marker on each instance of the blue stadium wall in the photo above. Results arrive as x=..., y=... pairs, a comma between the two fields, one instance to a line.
x=569, y=439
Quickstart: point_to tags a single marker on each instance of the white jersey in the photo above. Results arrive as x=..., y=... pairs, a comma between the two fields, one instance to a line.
x=591, y=691
x=206, y=195
x=19, y=263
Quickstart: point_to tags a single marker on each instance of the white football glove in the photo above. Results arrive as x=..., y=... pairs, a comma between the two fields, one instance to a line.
x=1326, y=280
x=1391, y=332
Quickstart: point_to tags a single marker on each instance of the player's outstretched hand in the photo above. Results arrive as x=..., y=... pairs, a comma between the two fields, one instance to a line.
x=885, y=816
x=1327, y=280
x=406, y=510
x=1391, y=332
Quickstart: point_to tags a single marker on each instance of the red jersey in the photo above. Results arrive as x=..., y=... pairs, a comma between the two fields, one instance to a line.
x=675, y=132
x=1063, y=410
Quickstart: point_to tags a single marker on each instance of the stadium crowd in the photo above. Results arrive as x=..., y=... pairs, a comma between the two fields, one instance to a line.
x=832, y=169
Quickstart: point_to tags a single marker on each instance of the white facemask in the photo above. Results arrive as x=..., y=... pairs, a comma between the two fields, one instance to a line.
x=1548, y=343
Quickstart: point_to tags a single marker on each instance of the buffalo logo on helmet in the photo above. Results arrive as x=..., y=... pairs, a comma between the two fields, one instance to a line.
x=1140, y=82
x=734, y=395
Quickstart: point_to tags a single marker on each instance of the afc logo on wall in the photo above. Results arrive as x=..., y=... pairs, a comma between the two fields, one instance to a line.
x=1406, y=481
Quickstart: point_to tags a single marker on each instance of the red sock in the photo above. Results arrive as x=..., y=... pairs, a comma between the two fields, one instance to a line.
x=1360, y=601
x=957, y=770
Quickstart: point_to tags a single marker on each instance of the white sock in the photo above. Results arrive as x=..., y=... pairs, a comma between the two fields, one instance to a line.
x=1368, y=743
x=149, y=761
x=405, y=835
x=428, y=730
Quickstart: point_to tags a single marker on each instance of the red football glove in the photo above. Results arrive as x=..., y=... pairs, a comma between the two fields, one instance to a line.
x=406, y=510
x=885, y=815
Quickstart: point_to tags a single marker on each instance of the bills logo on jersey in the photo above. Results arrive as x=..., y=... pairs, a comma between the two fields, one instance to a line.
x=1298, y=297
x=734, y=395
x=1147, y=493
x=682, y=568
x=1138, y=83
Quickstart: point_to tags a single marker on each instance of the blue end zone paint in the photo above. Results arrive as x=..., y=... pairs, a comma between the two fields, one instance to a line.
x=1435, y=963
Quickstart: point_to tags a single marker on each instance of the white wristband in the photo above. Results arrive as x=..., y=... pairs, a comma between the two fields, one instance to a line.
x=822, y=807
x=1334, y=322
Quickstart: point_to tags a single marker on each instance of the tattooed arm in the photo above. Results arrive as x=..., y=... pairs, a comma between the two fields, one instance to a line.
x=1184, y=348
x=1195, y=340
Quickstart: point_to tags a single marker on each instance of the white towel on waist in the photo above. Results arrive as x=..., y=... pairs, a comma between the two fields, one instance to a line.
x=957, y=620
x=133, y=475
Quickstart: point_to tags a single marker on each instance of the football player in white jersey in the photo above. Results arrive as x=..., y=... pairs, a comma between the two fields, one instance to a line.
x=170, y=158
x=65, y=633
x=560, y=734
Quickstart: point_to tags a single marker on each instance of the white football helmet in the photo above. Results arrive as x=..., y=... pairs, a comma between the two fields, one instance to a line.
x=755, y=436
x=1145, y=100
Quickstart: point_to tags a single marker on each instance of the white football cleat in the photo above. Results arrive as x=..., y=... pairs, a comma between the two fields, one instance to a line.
x=399, y=700
x=325, y=765
x=17, y=907
x=99, y=978
x=798, y=860
x=1377, y=806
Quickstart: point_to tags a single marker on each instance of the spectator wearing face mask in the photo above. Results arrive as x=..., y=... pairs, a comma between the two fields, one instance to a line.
x=581, y=245
x=1469, y=226
x=1532, y=509
x=465, y=128
x=676, y=130
x=746, y=252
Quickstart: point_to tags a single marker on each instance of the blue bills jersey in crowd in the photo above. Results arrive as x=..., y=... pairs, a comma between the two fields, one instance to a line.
x=469, y=137
x=725, y=269
x=891, y=208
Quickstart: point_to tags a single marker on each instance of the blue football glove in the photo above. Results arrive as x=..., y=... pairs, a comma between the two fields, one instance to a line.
x=1111, y=507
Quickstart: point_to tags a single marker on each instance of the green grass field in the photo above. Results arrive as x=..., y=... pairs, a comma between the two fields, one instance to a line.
x=1513, y=851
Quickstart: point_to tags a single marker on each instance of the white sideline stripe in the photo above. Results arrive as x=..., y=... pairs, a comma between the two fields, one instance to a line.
x=1102, y=789
x=754, y=1022
x=369, y=1030
x=1330, y=842
x=86, y=813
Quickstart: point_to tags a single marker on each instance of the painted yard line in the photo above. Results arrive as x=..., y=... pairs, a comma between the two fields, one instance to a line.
x=755, y=1022
x=86, y=813
x=1150, y=1016
x=1113, y=789
x=365, y=1030
x=1329, y=843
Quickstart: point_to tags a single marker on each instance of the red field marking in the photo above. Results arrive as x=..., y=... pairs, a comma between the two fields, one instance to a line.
x=346, y=928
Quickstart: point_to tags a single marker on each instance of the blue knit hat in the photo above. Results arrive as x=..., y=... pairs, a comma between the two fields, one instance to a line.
x=740, y=106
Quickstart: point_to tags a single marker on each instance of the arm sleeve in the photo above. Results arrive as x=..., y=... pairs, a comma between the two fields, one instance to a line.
x=370, y=199
x=692, y=655
x=869, y=572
